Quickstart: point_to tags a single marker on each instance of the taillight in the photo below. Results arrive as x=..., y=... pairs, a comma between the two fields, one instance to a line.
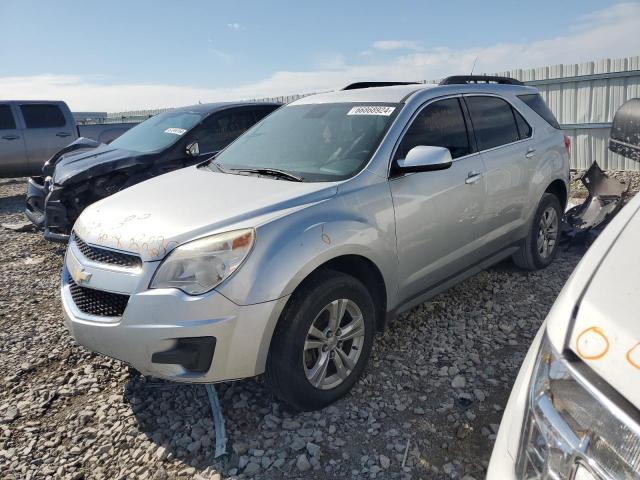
x=567, y=144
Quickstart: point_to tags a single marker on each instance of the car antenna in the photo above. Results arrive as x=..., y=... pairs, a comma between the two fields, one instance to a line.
x=474, y=66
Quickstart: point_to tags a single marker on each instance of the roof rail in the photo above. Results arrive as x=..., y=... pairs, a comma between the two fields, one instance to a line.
x=458, y=79
x=357, y=85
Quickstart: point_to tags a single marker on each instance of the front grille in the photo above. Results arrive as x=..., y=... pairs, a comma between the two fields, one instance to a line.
x=97, y=302
x=102, y=255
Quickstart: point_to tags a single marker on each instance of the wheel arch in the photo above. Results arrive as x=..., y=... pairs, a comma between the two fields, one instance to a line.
x=559, y=189
x=362, y=269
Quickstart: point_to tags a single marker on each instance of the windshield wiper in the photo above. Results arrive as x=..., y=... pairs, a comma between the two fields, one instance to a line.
x=272, y=172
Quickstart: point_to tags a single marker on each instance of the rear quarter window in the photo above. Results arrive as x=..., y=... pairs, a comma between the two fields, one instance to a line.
x=523, y=126
x=535, y=102
x=7, y=121
x=42, y=116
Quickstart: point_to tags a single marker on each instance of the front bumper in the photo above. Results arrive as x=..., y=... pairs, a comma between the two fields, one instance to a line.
x=159, y=325
x=45, y=210
x=36, y=195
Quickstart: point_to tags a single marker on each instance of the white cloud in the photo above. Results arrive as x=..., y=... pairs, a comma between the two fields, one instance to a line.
x=607, y=33
x=387, y=45
x=330, y=61
x=234, y=26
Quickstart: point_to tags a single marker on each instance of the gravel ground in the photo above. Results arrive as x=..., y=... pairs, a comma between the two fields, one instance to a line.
x=428, y=406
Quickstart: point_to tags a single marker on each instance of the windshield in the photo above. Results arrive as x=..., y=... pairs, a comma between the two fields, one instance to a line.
x=322, y=142
x=158, y=132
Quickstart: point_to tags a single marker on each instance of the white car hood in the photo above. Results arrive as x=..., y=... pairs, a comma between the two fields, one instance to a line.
x=606, y=332
x=157, y=215
x=606, y=288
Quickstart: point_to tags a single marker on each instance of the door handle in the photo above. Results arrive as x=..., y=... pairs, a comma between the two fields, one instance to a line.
x=530, y=153
x=63, y=134
x=472, y=177
x=11, y=137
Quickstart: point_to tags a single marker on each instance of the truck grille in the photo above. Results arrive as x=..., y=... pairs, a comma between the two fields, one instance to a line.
x=103, y=255
x=97, y=302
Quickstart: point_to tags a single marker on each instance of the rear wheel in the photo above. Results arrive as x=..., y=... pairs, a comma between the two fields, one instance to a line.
x=322, y=342
x=541, y=245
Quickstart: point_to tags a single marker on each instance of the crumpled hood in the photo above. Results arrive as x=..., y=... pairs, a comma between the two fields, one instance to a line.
x=153, y=217
x=78, y=166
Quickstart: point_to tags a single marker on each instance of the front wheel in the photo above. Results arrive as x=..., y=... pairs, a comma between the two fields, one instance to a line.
x=322, y=342
x=541, y=245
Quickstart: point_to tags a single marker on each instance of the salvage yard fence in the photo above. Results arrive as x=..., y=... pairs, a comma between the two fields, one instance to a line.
x=583, y=96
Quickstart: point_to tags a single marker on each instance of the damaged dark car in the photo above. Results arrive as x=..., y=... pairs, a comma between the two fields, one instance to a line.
x=87, y=171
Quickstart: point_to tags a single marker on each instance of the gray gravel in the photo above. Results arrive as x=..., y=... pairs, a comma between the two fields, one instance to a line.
x=428, y=406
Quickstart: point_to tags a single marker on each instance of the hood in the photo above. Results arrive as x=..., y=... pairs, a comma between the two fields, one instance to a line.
x=153, y=217
x=606, y=331
x=79, y=166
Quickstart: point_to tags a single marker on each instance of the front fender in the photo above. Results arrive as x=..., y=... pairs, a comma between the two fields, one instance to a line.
x=288, y=249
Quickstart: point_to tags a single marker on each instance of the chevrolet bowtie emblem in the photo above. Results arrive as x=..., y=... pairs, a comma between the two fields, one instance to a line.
x=83, y=276
x=80, y=275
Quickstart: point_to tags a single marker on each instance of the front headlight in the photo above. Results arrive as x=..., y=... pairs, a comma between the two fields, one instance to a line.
x=199, y=266
x=567, y=429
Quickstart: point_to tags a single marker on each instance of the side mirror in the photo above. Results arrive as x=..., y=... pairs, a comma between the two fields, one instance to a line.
x=425, y=158
x=193, y=150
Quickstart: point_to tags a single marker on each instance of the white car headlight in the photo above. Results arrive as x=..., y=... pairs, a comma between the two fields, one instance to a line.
x=569, y=432
x=199, y=266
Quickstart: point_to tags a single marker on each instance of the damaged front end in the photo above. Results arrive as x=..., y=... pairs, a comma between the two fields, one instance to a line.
x=75, y=180
x=43, y=209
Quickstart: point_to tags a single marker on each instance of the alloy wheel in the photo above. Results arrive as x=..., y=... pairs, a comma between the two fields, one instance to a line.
x=548, y=232
x=333, y=344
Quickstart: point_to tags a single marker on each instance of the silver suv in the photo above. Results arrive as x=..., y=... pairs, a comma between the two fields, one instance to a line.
x=290, y=249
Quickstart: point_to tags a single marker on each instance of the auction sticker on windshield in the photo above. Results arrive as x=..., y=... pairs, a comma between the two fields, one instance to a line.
x=175, y=131
x=371, y=110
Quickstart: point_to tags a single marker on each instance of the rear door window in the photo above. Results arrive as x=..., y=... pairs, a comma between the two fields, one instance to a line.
x=538, y=105
x=439, y=124
x=7, y=122
x=219, y=130
x=42, y=116
x=493, y=121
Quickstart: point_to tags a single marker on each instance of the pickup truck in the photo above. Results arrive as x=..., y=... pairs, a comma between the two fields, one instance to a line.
x=31, y=131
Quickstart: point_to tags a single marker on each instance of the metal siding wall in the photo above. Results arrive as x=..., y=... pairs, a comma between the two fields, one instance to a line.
x=587, y=101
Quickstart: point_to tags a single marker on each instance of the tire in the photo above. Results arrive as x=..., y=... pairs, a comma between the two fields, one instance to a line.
x=530, y=256
x=290, y=368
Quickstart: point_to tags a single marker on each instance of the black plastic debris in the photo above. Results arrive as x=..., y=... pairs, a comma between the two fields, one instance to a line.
x=605, y=199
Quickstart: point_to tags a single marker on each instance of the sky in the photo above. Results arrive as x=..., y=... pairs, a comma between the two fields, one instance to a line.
x=114, y=55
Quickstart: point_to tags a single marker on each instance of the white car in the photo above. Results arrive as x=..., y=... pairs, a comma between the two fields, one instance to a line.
x=574, y=411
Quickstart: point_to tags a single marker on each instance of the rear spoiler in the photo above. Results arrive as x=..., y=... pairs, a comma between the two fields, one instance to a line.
x=624, y=138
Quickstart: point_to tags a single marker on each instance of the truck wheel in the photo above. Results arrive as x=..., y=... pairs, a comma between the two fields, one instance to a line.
x=322, y=342
x=541, y=245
